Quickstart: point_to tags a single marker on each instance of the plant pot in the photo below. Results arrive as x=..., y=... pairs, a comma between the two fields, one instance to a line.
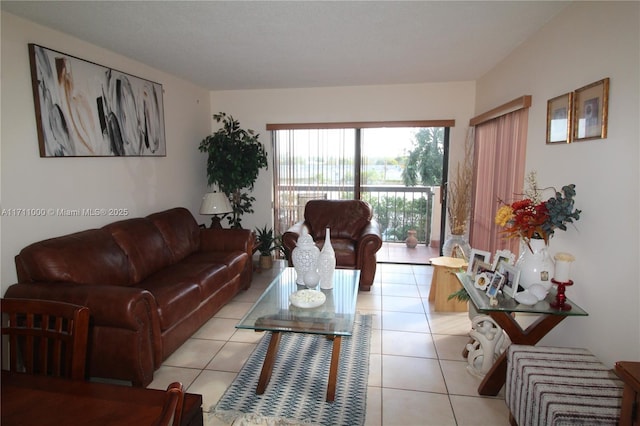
x=266, y=262
x=411, y=240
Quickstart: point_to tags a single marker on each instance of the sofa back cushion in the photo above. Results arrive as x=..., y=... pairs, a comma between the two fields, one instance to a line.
x=345, y=218
x=87, y=257
x=143, y=244
x=179, y=230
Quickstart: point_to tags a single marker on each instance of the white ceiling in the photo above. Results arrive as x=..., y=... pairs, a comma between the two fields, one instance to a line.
x=229, y=45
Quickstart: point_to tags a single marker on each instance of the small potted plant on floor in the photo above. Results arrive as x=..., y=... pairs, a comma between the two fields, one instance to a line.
x=267, y=243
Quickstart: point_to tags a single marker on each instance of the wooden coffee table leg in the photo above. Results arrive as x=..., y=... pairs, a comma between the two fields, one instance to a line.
x=269, y=360
x=333, y=369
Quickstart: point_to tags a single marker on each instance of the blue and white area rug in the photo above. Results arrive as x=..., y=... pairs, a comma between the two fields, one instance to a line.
x=296, y=393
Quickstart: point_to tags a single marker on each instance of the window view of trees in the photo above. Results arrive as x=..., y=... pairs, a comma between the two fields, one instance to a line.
x=398, y=169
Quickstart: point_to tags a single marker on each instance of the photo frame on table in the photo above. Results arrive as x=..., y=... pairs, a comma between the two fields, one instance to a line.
x=497, y=280
x=503, y=256
x=477, y=256
x=511, y=279
x=481, y=267
x=559, y=111
x=591, y=111
x=88, y=110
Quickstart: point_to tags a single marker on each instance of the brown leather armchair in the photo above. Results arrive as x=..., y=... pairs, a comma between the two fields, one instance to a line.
x=355, y=235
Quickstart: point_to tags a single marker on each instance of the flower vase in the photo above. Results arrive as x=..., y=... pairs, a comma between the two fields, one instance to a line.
x=304, y=256
x=535, y=264
x=326, y=262
x=411, y=240
x=456, y=246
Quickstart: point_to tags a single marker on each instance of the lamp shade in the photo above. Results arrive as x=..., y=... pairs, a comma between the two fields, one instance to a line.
x=215, y=203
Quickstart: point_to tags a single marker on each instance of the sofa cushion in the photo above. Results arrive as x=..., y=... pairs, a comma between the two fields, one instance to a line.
x=345, y=218
x=87, y=257
x=143, y=244
x=179, y=230
x=176, y=294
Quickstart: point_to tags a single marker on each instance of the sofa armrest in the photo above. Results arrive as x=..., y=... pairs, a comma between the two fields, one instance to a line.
x=113, y=306
x=226, y=240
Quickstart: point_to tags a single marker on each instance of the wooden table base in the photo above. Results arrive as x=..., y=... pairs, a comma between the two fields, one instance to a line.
x=270, y=360
x=497, y=375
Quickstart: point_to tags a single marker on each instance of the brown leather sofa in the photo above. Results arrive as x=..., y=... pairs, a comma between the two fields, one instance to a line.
x=355, y=235
x=149, y=283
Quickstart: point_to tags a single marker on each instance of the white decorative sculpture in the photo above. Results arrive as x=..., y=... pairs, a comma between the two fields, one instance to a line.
x=327, y=262
x=488, y=340
x=304, y=256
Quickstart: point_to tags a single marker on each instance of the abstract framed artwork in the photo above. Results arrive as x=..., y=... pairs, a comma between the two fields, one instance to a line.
x=559, y=110
x=590, y=111
x=87, y=110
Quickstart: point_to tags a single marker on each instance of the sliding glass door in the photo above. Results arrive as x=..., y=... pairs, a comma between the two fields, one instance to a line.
x=398, y=170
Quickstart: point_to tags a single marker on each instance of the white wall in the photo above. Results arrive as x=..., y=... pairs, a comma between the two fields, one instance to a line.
x=585, y=43
x=141, y=185
x=256, y=108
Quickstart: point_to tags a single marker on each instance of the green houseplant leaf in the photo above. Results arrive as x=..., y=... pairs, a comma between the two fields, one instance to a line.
x=234, y=159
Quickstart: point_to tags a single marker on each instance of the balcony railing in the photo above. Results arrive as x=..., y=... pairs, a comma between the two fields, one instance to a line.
x=397, y=208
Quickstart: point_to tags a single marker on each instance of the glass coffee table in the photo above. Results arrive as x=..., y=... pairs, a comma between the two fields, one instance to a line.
x=334, y=318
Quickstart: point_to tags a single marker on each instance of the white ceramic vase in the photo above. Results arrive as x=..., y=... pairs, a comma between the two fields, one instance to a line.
x=304, y=256
x=455, y=244
x=327, y=262
x=535, y=264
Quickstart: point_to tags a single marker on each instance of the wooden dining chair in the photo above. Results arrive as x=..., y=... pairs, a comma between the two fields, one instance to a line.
x=172, y=409
x=44, y=337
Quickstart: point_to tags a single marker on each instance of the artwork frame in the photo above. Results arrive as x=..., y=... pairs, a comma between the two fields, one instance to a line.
x=591, y=111
x=474, y=257
x=559, y=119
x=84, y=109
x=511, y=279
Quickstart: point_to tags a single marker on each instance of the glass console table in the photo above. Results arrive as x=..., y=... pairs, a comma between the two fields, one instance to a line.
x=502, y=315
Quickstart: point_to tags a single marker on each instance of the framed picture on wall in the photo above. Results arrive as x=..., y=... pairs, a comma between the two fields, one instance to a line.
x=559, y=112
x=88, y=110
x=590, y=111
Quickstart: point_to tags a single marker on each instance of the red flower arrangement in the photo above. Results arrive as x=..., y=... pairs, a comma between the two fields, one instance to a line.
x=531, y=218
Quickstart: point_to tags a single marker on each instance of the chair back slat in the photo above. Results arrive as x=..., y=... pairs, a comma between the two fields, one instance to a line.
x=45, y=337
x=172, y=409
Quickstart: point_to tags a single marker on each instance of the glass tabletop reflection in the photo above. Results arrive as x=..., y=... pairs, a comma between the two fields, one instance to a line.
x=274, y=312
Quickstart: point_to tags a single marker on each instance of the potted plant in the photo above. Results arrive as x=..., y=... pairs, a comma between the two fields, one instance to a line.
x=235, y=158
x=267, y=243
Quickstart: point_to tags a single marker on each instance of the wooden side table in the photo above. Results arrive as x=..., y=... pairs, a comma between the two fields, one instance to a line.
x=629, y=372
x=444, y=282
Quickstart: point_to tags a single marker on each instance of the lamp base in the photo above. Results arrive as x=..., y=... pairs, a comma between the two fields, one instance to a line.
x=215, y=222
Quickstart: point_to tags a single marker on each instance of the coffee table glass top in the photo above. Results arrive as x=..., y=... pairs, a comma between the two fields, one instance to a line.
x=508, y=304
x=274, y=312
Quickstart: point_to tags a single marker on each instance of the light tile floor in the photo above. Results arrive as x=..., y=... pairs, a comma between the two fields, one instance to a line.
x=417, y=373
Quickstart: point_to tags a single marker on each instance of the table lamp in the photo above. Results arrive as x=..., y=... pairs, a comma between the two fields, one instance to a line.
x=216, y=204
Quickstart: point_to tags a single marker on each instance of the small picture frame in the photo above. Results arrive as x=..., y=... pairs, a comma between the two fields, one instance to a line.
x=482, y=280
x=496, y=284
x=559, y=111
x=503, y=256
x=591, y=111
x=481, y=267
x=474, y=257
x=511, y=279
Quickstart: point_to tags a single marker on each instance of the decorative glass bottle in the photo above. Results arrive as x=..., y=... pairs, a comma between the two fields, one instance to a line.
x=456, y=246
x=535, y=264
x=304, y=256
x=327, y=262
